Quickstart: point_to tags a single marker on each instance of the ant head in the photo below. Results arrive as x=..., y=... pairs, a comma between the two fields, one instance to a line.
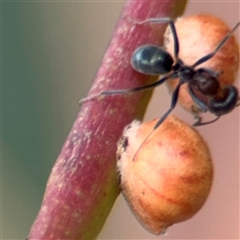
x=224, y=101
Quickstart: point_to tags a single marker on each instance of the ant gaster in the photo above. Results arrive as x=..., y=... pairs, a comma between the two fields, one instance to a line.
x=154, y=60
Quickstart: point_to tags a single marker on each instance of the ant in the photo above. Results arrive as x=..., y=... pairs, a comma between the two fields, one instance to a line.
x=154, y=60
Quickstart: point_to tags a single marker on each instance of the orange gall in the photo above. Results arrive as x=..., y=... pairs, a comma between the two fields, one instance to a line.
x=169, y=178
x=198, y=36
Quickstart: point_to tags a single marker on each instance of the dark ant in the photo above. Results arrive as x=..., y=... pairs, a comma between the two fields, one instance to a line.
x=154, y=60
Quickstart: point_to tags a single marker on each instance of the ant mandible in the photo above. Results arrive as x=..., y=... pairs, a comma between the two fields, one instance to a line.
x=154, y=60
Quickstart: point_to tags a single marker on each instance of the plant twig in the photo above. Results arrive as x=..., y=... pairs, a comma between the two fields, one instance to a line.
x=83, y=185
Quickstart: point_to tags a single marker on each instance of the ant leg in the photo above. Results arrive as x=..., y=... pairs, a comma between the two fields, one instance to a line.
x=172, y=27
x=173, y=104
x=199, y=119
x=200, y=123
x=126, y=91
x=210, y=55
x=238, y=104
x=202, y=105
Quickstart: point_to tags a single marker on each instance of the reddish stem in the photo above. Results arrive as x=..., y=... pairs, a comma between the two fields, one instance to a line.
x=83, y=185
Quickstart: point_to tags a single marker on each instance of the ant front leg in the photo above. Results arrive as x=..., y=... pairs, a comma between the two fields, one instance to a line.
x=199, y=119
x=238, y=104
x=203, y=107
x=201, y=104
x=200, y=123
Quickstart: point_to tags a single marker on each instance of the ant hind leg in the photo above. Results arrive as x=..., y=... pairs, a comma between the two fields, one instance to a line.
x=172, y=27
x=126, y=91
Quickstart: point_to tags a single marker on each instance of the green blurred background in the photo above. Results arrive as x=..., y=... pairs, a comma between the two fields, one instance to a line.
x=50, y=54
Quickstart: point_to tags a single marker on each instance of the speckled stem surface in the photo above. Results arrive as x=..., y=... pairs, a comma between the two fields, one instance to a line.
x=82, y=186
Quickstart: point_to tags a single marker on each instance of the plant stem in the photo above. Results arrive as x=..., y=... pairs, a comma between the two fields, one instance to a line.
x=83, y=186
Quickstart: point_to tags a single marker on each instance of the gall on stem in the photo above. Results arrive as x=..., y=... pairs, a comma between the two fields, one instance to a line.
x=198, y=36
x=169, y=178
x=82, y=186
